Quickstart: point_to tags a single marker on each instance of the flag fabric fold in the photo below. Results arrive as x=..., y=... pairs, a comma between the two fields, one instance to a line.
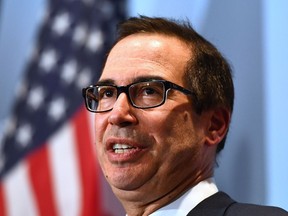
x=47, y=160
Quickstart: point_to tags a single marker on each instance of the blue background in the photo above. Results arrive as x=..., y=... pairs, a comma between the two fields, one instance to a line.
x=252, y=35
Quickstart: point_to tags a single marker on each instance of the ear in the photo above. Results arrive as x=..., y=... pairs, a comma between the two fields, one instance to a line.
x=218, y=124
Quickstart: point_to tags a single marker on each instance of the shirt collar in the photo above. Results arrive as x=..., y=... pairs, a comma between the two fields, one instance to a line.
x=184, y=204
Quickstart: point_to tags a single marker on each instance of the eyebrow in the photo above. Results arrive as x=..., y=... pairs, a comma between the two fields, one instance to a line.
x=137, y=79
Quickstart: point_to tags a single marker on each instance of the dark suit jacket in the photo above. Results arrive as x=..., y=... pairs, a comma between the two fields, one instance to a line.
x=220, y=204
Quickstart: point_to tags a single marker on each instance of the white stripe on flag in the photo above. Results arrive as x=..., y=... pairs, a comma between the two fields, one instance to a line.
x=18, y=191
x=65, y=172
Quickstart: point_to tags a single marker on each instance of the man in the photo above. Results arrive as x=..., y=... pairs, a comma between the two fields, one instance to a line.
x=163, y=106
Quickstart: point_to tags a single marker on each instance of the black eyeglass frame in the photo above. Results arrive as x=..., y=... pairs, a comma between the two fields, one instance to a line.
x=125, y=89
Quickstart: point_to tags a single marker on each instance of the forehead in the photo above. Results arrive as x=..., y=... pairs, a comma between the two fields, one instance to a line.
x=147, y=55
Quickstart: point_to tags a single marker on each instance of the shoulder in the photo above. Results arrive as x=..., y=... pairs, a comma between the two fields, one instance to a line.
x=245, y=209
x=221, y=204
x=242, y=209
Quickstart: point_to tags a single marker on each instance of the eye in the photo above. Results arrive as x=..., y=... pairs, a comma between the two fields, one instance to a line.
x=105, y=92
x=148, y=91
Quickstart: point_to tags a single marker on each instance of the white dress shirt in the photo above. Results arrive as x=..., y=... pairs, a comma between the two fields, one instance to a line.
x=184, y=204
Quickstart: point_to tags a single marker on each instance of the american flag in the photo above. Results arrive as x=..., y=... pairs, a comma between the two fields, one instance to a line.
x=47, y=160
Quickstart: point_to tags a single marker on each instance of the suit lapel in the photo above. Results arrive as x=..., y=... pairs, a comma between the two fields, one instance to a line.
x=214, y=205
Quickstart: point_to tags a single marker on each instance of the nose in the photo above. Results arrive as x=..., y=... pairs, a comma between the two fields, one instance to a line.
x=122, y=114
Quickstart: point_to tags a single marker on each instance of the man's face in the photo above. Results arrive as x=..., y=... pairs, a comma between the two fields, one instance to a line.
x=165, y=141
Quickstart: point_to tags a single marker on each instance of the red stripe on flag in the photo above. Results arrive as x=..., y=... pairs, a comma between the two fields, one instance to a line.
x=2, y=201
x=40, y=177
x=92, y=204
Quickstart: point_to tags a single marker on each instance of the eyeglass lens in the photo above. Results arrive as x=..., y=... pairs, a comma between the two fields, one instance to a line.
x=141, y=95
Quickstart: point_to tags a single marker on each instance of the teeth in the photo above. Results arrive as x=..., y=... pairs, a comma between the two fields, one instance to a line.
x=121, y=148
x=121, y=151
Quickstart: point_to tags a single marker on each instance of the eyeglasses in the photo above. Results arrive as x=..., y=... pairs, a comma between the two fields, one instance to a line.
x=142, y=95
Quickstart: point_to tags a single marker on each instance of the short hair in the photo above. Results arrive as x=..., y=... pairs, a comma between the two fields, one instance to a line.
x=207, y=72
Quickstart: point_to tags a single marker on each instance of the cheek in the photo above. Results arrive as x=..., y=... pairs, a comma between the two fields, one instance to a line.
x=177, y=146
x=175, y=124
x=173, y=132
x=100, y=124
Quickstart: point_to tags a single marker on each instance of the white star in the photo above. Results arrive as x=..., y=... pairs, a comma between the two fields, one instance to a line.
x=35, y=97
x=84, y=78
x=69, y=71
x=88, y=2
x=24, y=135
x=80, y=34
x=10, y=126
x=48, y=60
x=107, y=9
x=57, y=108
x=61, y=23
x=95, y=40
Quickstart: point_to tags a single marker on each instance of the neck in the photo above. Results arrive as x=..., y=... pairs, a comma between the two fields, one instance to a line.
x=143, y=201
x=145, y=207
